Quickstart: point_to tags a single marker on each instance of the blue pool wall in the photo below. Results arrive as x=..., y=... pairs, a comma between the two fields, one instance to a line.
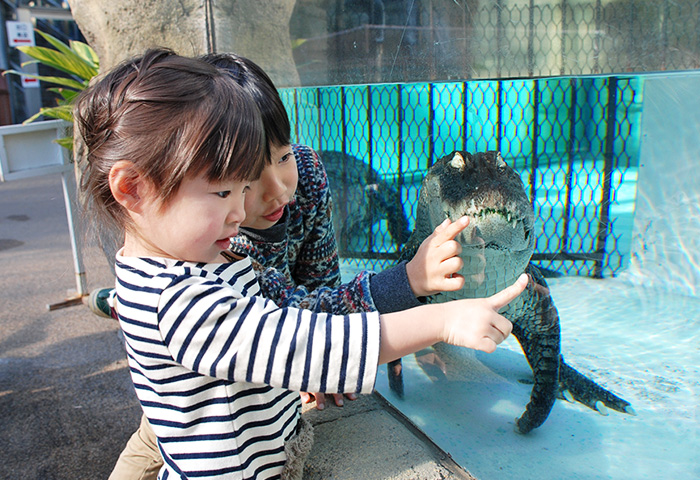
x=575, y=142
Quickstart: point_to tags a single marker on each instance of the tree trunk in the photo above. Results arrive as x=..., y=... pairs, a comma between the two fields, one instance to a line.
x=257, y=30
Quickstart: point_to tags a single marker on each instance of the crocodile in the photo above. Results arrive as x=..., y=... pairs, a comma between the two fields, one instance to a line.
x=363, y=199
x=497, y=247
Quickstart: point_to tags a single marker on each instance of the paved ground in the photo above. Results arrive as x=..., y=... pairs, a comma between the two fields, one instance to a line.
x=67, y=406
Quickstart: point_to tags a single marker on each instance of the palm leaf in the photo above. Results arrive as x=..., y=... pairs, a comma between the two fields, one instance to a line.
x=63, y=112
x=66, y=82
x=85, y=51
x=66, y=142
x=66, y=95
x=71, y=65
x=79, y=66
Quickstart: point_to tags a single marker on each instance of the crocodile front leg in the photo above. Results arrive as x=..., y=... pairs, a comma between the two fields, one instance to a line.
x=536, y=326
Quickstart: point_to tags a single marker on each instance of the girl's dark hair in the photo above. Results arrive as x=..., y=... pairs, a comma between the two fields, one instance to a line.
x=173, y=117
x=258, y=84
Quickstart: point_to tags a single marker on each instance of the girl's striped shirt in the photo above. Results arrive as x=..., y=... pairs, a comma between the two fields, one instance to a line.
x=217, y=368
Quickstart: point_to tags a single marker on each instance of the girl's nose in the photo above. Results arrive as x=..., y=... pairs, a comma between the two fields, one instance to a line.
x=236, y=214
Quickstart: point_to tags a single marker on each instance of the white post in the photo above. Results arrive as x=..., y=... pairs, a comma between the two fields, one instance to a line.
x=70, y=194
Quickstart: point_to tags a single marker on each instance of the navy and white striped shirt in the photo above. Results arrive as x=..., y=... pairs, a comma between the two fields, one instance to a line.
x=217, y=368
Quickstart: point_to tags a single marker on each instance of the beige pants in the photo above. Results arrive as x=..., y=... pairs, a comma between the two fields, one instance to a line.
x=141, y=458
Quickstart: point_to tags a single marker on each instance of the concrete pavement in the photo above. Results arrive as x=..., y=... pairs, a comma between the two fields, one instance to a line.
x=67, y=405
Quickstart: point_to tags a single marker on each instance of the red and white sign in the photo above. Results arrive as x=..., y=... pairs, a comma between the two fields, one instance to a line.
x=20, y=34
x=29, y=82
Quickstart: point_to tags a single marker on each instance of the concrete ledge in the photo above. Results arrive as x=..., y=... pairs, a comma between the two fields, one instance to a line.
x=368, y=439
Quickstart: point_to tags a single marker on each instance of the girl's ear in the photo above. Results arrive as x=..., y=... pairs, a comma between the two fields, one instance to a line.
x=128, y=186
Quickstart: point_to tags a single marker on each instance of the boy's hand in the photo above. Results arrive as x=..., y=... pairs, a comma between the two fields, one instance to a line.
x=321, y=399
x=434, y=267
x=475, y=323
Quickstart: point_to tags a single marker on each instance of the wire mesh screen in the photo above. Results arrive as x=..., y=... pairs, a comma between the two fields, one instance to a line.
x=575, y=142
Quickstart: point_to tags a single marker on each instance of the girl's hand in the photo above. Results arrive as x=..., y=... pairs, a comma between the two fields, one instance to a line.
x=434, y=267
x=475, y=323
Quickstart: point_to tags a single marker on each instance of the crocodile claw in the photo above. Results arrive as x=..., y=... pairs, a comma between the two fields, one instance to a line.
x=602, y=409
x=566, y=395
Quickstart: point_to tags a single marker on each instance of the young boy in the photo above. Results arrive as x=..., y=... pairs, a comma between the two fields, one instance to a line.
x=172, y=146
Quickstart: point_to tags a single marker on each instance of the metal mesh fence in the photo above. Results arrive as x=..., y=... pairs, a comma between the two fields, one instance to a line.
x=433, y=40
x=575, y=142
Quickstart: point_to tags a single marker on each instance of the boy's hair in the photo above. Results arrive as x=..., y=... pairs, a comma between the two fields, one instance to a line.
x=258, y=84
x=173, y=117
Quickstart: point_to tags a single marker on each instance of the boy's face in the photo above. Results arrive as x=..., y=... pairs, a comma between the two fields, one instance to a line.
x=195, y=225
x=267, y=197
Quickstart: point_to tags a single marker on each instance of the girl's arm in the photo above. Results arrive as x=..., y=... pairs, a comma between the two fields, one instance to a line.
x=472, y=323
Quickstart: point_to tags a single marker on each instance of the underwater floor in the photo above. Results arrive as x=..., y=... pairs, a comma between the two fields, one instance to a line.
x=643, y=345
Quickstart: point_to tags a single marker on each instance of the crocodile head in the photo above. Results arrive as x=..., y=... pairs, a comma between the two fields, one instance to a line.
x=499, y=241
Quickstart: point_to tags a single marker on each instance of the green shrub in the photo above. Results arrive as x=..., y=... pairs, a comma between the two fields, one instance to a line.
x=77, y=60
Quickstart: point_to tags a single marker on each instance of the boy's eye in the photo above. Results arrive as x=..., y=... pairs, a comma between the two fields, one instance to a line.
x=286, y=157
x=224, y=193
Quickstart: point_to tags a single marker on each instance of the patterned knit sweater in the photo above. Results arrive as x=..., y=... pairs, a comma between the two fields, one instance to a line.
x=297, y=259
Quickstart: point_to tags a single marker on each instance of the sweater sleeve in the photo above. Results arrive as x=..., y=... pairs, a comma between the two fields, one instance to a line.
x=351, y=297
x=211, y=329
x=391, y=290
x=387, y=291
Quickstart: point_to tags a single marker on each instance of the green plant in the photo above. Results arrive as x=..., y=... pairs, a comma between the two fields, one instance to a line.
x=78, y=60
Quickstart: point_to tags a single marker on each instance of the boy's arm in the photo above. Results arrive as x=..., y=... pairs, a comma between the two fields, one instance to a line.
x=350, y=297
x=433, y=269
x=315, y=253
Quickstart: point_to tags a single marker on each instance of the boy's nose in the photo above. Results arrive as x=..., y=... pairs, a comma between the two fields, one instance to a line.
x=273, y=187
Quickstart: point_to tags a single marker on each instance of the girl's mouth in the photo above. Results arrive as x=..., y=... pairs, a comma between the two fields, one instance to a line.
x=224, y=243
x=276, y=215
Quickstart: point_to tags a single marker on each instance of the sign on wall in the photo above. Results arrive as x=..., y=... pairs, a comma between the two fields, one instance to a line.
x=20, y=34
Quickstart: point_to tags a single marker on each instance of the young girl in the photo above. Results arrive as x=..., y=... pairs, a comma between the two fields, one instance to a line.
x=171, y=148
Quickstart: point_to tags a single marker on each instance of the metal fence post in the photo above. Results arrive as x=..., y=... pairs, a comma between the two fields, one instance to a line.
x=564, y=242
x=534, y=164
x=604, y=215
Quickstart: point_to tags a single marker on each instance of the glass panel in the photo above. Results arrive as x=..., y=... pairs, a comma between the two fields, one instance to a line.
x=372, y=41
x=625, y=289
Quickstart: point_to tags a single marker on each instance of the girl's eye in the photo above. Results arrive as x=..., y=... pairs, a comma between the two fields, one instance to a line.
x=286, y=157
x=224, y=193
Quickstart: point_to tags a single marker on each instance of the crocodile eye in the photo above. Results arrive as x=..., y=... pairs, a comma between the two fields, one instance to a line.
x=501, y=169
